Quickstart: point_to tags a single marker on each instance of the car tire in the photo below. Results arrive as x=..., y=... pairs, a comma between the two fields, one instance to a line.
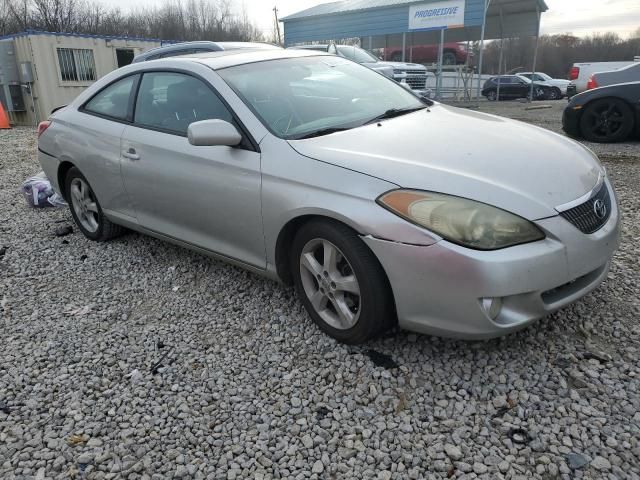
x=555, y=94
x=85, y=209
x=345, y=290
x=396, y=57
x=492, y=95
x=449, y=58
x=607, y=120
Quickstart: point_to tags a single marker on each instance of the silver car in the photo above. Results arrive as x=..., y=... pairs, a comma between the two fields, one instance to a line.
x=317, y=171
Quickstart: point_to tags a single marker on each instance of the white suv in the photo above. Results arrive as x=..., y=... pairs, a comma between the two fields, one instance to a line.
x=558, y=85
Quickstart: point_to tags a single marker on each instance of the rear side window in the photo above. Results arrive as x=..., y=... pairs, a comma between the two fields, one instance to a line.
x=172, y=101
x=113, y=101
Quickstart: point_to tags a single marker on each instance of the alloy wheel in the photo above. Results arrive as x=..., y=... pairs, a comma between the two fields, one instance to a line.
x=330, y=284
x=605, y=121
x=84, y=204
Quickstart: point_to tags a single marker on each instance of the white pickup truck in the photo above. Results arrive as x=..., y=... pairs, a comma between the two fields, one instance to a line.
x=580, y=73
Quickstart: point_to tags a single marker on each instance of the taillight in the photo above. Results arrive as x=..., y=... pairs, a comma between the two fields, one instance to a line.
x=592, y=83
x=42, y=126
x=574, y=73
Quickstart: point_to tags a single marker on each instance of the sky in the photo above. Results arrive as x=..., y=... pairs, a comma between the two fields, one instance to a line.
x=580, y=17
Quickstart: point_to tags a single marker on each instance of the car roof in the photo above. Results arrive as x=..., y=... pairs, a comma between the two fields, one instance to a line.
x=230, y=58
x=310, y=47
x=206, y=45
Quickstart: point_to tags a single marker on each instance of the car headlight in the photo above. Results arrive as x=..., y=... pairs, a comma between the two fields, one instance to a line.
x=462, y=221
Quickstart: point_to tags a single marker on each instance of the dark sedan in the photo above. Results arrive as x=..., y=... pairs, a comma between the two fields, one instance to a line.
x=508, y=87
x=607, y=114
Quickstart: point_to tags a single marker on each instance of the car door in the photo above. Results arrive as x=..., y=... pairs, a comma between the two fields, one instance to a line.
x=97, y=155
x=506, y=87
x=520, y=88
x=207, y=196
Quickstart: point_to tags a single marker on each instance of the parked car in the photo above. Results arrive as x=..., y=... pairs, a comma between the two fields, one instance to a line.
x=453, y=53
x=606, y=114
x=630, y=73
x=412, y=74
x=365, y=200
x=558, y=86
x=581, y=72
x=189, y=48
x=512, y=87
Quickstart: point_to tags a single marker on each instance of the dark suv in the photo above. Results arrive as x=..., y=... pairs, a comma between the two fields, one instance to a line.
x=188, y=48
x=513, y=86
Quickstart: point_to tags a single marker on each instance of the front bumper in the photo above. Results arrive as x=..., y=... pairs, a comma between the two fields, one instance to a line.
x=571, y=121
x=439, y=289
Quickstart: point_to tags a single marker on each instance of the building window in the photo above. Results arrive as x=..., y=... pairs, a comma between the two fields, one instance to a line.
x=76, y=65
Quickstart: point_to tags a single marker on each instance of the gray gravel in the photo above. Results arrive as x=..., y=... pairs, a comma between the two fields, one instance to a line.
x=137, y=359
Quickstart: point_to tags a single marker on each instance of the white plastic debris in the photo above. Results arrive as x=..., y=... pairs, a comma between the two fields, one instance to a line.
x=78, y=312
x=135, y=376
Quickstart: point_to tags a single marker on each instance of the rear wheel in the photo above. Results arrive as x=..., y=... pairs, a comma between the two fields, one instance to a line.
x=341, y=283
x=86, y=210
x=555, y=94
x=449, y=58
x=607, y=120
x=396, y=57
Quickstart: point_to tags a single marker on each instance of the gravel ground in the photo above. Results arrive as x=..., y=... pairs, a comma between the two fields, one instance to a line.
x=137, y=359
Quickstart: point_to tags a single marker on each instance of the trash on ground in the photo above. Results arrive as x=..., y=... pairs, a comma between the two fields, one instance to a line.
x=64, y=231
x=576, y=460
x=39, y=193
x=519, y=435
x=78, y=312
x=381, y=359
x=135, y=376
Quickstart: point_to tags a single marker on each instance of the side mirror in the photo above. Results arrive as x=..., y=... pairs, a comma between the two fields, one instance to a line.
x=211, y=133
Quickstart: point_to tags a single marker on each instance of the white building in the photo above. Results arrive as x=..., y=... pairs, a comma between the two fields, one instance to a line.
x=40, y=71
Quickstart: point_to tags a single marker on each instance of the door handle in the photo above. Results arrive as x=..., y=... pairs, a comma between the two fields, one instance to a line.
x=131, y=154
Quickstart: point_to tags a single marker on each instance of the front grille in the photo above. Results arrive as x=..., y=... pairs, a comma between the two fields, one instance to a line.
x=416, y=72
x=417, y=82
x=591, y=215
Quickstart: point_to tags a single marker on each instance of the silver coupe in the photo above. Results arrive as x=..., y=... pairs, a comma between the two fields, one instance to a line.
x=381, y=208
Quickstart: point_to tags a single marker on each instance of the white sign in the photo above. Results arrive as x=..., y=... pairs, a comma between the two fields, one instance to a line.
x=438, y=15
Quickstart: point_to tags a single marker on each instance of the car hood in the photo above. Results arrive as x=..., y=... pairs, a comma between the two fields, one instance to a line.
x=403, y=65
x=518, y=167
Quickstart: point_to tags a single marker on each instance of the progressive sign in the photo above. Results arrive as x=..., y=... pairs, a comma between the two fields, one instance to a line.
x=438, y=15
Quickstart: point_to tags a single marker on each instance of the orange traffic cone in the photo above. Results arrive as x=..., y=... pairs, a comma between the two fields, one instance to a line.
x=4, y=119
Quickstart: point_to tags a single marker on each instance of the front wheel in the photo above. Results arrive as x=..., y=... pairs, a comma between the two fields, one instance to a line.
x=86, y=210
x=492, y=96
x=341, y=283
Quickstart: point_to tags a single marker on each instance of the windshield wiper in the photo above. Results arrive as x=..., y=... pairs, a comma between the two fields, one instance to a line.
x=322, y=131
x=394, y=112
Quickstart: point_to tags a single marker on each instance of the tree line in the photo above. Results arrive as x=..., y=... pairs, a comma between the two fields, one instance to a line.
x=171, y=20
x=556, y=53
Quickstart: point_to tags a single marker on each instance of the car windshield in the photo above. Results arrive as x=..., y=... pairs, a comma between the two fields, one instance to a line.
x=299, y=97
x=357, y=54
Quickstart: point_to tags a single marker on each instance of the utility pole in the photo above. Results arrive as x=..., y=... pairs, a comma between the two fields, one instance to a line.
x=275, y=13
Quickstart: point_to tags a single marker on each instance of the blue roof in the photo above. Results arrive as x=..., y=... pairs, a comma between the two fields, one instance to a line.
x=27, y=33
x=349, y=6
x=346, y=6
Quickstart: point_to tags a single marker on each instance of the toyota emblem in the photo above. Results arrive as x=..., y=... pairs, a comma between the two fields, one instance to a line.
x=600, y=209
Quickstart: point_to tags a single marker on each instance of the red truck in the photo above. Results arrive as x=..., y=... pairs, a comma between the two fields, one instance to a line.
x=454, y=54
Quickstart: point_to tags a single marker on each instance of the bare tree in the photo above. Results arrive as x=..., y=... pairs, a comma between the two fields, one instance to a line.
x=172, y=20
